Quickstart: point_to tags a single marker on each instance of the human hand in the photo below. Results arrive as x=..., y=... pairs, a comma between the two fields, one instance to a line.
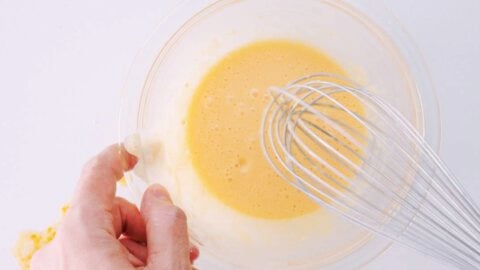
x=101, y=231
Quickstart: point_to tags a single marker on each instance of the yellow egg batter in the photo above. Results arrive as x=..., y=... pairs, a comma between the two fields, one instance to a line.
x=223, y=125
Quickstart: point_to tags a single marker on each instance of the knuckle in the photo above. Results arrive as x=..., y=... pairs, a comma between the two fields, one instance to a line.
x=79, y=218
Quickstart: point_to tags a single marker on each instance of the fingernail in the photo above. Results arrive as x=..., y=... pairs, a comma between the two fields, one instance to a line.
x=194, y=253
x=132, y=161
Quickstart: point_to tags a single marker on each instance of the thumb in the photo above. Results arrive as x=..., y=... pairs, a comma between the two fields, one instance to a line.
x=166, y=226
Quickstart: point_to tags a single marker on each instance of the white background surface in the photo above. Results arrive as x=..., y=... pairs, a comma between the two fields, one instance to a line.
x=63, y=63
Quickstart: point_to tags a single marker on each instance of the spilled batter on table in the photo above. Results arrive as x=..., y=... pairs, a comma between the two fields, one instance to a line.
x=223, y=126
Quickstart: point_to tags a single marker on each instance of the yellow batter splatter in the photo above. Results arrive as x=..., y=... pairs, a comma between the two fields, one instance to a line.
x=30, y=242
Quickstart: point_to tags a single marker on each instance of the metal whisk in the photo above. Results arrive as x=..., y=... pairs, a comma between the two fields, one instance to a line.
x=364, y=160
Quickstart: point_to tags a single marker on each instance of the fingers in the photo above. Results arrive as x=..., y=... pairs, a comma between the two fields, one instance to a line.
x=167, y=236
x=128, y=221
x=136, y=262
x=140, y=251
x=136, y=249
x=97, y=182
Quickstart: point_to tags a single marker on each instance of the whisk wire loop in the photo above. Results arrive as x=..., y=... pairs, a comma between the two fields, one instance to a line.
x=369, y=164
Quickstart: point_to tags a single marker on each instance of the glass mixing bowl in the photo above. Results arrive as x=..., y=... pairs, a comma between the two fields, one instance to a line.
x=360, y=35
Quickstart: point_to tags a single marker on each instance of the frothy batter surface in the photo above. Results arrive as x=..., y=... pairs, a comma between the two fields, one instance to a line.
x=223, y=124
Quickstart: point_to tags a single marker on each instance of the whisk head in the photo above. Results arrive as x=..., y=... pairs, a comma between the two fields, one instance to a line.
x=352, y=152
